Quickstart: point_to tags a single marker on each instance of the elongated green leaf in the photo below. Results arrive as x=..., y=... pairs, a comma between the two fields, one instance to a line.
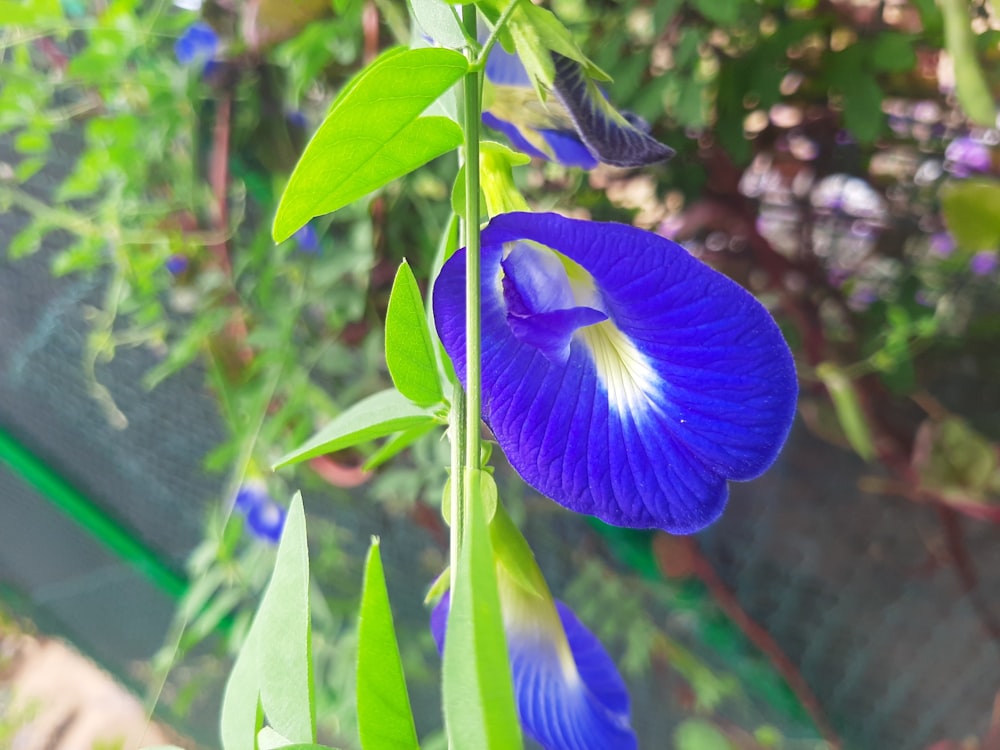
x=398, y=443
x=971, y=87
x=409, y=352
x=284, y=653
x=380, y=414
x=478, y=693
x=373, y=134
x=240, y=716
x=385, y=720
x=849, y=413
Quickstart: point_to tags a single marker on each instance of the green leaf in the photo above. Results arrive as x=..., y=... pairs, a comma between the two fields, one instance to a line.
x=697, y=734
x=373, y=134
x=971, y=87
x=240, y=718
x=439, y=21
x=719, y=12
x=893, y=52
x=409, y=351
x=863, y=108
x=398, y=443
x=380, y=414
x=284, y=653
x=385, y=720
x=971, y=210
x=478, y=693
x=845, y=402
x=30, y=13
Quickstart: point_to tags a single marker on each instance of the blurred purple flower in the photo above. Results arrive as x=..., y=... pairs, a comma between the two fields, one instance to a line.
x=307, y=239
x=177, y=264
x=984, y=263
x=966, y=156
x=265, y=518
x=942, y=244
x=197, y=46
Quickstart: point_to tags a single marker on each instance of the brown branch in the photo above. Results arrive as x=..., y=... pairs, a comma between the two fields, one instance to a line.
x=665, y=549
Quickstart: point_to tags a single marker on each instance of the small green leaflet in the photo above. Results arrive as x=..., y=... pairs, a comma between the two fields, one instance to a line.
x=385, y=720
x=273, y=670
x=409, y=351
x=373, y=134
x=380, y=414
x=849, y=413
x=478, y=692
x=397, y=444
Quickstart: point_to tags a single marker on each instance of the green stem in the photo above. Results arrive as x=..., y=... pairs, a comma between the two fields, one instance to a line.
x=491, y=40
x=473, y=349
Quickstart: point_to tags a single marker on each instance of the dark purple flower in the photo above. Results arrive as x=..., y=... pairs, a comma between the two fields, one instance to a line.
x=622, y=377
x=264, y=517
x=307, y=239
x=966, y=156
x=983, y=263
x=177, y=264
x=197, y=46
x=577, y=127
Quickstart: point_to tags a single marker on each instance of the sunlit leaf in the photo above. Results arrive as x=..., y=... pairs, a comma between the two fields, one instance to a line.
x=971, y=210
x=398, y=443
x=380, y=414
x=284, y=654
x=385, y=720
x=409, y=351
x=373, y=134
x=849, y=413
x=971, y=87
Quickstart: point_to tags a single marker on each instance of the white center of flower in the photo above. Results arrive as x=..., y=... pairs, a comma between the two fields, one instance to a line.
x=622, y=369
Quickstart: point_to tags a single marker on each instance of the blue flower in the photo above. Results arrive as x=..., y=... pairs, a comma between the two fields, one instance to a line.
x=197, y=46
x=622, y=377
x=577, y=127
x=264, y=517
x=307, y=239
x=176, y=264
x=966, y=156
x=568, y=692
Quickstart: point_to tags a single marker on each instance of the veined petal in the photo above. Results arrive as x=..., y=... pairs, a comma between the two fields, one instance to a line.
x=686, y=385
x=575, y=704
x=612, y=137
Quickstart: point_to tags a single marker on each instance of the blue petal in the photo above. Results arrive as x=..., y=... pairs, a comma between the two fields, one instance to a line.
x=266, y=520
x=505, y=69
x=198, y=44
x=701, y=387
x=568, y=149
x=586, y=708
x=613, y=138
x=513, y=133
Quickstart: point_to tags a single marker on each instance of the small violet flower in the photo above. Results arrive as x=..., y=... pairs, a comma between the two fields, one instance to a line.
x=966, y=156
x=177, y=264
x=622, y=377
x=984, y=263
x=264, y=517
x=942, y=244
x=197, y=46
x=307, y=239
x=577, y=127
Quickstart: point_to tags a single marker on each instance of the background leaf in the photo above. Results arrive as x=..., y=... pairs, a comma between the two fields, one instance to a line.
x=385, y=719
x=971, y=210
x=409, y=352
x=380, y=414
x=372, y=135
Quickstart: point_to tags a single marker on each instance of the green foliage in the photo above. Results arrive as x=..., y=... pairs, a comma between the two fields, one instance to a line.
x=378, y=415
x=280, y=634
x=384, y=715
x=972, y=211
x=373, y=134
x=409, y=351
x=849, y=413
x=478, y=696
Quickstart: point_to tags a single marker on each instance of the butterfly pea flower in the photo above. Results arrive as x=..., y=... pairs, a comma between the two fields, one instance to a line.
x=197, y=46
x=307, y=239
x=576, y=127
x=567, y=689
x=984, y=263
x=622, y=377
x=265, y=518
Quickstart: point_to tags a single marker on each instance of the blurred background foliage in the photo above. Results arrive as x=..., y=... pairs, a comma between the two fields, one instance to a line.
x=838, y=158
